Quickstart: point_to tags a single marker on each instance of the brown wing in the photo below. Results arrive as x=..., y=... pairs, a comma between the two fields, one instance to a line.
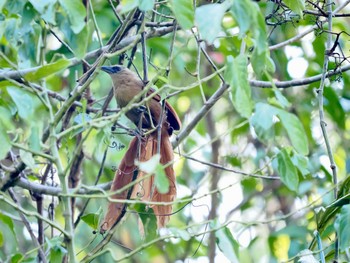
x=172, y=117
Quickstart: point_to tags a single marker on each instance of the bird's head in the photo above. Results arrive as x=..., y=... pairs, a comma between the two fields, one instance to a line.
x=112, y=69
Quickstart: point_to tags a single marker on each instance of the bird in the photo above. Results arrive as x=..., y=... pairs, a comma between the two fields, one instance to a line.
x=127, y=85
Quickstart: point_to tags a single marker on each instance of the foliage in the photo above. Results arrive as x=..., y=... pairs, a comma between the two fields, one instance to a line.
x=262, y=160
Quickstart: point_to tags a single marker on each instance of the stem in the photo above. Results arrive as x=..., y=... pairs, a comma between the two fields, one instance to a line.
x=323, y=123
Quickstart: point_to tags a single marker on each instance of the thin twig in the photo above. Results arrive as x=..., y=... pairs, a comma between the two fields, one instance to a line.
x=25, y=221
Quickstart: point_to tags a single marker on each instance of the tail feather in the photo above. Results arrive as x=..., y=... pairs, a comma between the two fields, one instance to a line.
x=145, y=190
x=148, y=191
x=124, y=175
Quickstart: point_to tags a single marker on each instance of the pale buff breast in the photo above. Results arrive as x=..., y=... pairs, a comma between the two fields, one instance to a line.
x=126, y=86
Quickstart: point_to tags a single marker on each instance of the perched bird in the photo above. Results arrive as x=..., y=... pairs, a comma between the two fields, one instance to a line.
x=126, y=86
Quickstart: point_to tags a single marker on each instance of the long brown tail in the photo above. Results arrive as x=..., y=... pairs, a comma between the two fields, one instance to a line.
x=145, y=190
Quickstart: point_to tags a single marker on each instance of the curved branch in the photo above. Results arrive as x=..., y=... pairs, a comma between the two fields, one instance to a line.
x=56, y=191
x=297, y=82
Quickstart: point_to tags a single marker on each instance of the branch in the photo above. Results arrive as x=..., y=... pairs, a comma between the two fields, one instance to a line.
x=56, y=191
x=297, y=82
x=201, y=113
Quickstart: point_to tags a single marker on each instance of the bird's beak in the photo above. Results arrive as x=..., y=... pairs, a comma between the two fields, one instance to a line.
x=111, y=70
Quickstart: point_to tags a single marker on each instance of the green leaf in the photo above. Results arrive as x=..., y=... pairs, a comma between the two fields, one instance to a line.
x=1, y=239
x=209, y=19
x=76, y=14
x=146, y=5
x=47, y=70
x=341, y=225
x=4, y=142
x=17, y=258
x=226, y=242
x=8, y=221
x=57, y=251
x=249, y=18
x=301, y=163
x=46, y=8
x=259, y=31
x=297, y=6
x=283, y=101
x=149, y=220
x=184, y=13
x=295, y=131
x=128, y=5
x=244, y=15
x=23, y=101
x=161, y=180
x=92, y=219
x=27, y=158
x=262, y=121
x=237, y=76
x=34, y=139
x=77, y=42
x=287, y=170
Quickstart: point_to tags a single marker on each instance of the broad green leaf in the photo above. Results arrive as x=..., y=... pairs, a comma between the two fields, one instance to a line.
x=184, y=13
x=27, y=158
x=41, y=5
x=259, y=31
x=57, y=251
x=301, y=163
x=5, y=125
x=149, y=220
x=17, y=258
x=295, y=131
x=297, y=6
x=341, y=225
x=47, y=70
x=283, y=101
x=237, y=76
x=249, y=18
x=161, y=180
x=8, y=221
x=34, y=139
x=23, y=101
x=128, y=5
x=244, y=15
x=262, y=118
x=146, y=5
x=262, y=121
x=226, y=242
x=77, y=42
x=76, y=13
x=209, y=20
x=1, y=239
x=92, y=219
x=46, y=8
x=287, y=170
